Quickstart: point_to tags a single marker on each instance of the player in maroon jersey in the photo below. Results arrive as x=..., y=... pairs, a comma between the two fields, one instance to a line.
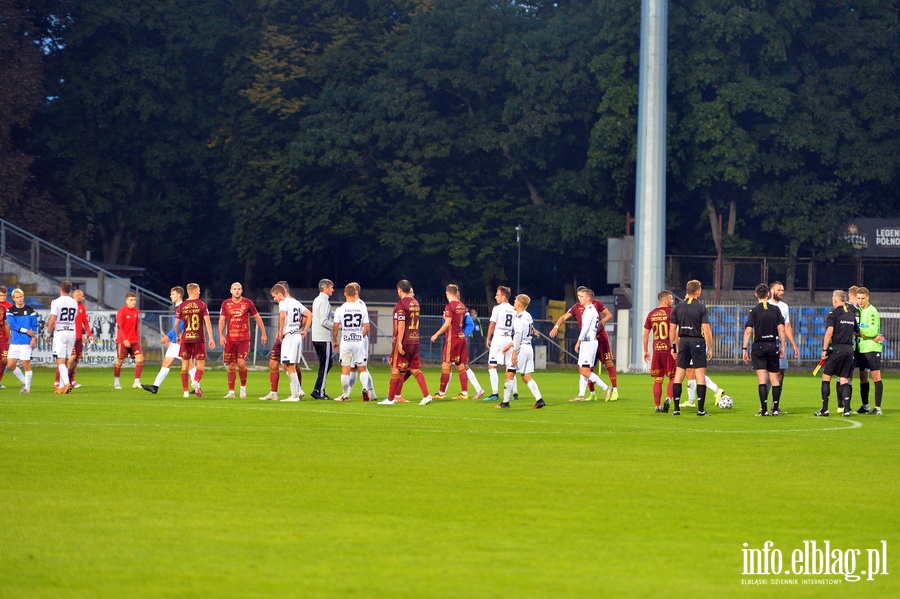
x=404, y=359
x=128, y=340
x=604, y=349
x=195, y=316
x=82, y=328
x=662, y=364
x=456, y=350
x=4, y=331
x=236, y=313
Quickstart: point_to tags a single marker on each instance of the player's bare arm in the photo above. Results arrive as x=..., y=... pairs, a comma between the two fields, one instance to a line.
x=490, y=334
x=441, y=330
x=262, y=328
x=707, y=335
x=555, y=330
x=646, y=340
x=401, y=331
x=209, y=331
x=305, y=321
x=281, y=317
x=605, y=316
x=334, y=336
x=222, y=329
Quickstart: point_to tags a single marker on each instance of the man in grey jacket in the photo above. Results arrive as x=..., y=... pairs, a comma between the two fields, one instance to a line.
x=322, y=326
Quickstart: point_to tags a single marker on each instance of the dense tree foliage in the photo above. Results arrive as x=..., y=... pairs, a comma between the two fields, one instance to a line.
x=27, y=32
x=377, y=139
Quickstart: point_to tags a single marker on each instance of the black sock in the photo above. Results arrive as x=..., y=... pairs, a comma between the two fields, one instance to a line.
x=845, y=396
x=701, y=397
x=879, y=389
x=763, y=391
x=776, y=397
x=864, y=392
x=826, y=391
x=676, y=394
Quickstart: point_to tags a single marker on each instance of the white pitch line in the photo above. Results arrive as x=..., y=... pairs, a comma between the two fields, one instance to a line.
x=629, y=429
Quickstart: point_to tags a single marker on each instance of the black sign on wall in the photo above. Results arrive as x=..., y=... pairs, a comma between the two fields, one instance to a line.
x=875, y=237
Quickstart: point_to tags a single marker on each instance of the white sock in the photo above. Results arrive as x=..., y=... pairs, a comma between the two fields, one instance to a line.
x=474, y=381
x=532, y=386
x=507, y=391
x=365, y=380
x=295, y=383
x=692, y=390
x=18, y=374
x=599, y=381
x=495, y=380
x=371, y=383
x=162, y=374
x=711, y=385
x=192, y=373
x=346, y=384
x=64, y=375
x=353, y=376
x=582, y=385
x=28, y=375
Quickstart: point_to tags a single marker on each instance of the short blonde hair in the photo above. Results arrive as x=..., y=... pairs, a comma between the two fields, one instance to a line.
x=523, y=299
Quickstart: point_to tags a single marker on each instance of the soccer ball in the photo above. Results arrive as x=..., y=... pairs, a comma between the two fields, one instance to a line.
x=726, y=402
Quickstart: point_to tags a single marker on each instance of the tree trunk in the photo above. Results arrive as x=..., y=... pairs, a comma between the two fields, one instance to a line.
x=728, y=265
x=112, y=235
x=790, y=276
x=713, y=220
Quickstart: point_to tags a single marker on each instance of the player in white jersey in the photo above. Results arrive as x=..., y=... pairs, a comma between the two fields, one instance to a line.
x=61, y=330
x=499, y=335
x=368, y=393
x=522, y=354
x=776, y=292
x=293, y=323
x=351, y=321
x=587, y=343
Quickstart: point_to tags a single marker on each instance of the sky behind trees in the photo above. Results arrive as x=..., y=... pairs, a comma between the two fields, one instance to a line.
x=263, y=139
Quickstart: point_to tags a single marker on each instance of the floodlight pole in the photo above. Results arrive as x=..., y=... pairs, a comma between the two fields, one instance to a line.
x=650, y=195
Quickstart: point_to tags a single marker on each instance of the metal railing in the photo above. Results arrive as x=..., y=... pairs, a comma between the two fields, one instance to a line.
x=40, y=256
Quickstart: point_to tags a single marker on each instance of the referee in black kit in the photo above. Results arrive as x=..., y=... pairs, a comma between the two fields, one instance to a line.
x=841, y=332
x=691, y=340
x=766, y=322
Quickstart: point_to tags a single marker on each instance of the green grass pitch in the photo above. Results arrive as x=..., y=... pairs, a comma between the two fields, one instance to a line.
x=126, y=494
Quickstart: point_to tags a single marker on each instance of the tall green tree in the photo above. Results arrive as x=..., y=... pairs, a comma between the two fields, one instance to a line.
x=135, y=84
x=479, y=122
x=843, y=137
x=28, y=33
x=286, y=56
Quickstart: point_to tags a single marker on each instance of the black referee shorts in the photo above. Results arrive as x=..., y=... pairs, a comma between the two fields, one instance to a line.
x=764, y=356
x=691, y=352
x=840, y=362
